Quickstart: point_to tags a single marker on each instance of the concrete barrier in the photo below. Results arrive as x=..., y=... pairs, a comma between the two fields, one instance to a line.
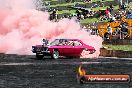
x=115, y=53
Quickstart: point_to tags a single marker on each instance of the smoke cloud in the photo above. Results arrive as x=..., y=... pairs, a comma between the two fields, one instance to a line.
x=21, y=26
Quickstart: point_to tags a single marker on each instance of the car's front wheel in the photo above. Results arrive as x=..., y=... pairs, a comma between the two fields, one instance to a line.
x=39, y=56
x=55, y=54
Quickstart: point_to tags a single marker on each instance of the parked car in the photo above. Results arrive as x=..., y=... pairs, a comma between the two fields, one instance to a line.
x=61, y=47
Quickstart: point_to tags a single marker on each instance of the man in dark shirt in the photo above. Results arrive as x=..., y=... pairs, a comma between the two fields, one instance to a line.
x=124, y=31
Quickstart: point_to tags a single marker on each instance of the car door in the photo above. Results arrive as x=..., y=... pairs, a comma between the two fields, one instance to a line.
x=68, y=49
x=78, y=48
x=65, y=49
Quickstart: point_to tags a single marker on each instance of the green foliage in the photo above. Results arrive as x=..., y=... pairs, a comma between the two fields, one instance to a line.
x=73, y=3
x=67, y=4
x=130, y=5
x=119, y=47
x=102, y=1
x=66, y=11
x=89, y=20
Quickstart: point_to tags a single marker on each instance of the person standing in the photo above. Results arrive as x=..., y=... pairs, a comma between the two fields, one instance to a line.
x=109, y=29
x=124, y=31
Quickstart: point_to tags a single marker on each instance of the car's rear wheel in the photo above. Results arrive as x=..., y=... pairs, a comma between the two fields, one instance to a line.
x=39, y=56
x=55, y=54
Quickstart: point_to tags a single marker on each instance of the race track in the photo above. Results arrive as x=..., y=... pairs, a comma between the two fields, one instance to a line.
x=26, y=72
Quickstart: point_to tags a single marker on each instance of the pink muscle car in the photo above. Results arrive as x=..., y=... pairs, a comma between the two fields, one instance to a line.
x=61, y=47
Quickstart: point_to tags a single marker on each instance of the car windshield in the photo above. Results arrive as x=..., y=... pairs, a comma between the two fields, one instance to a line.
x=55, y=42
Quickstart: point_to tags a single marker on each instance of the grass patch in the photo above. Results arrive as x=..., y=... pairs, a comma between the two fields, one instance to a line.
x=119, y=47
x=74, y=3
x=54, y=0
x=66, y=11
x=102, y=1
x=95, y=9
x=100, y=8
x=89, y=20
x=67, y=4
x=130, y=4
x=73, y=11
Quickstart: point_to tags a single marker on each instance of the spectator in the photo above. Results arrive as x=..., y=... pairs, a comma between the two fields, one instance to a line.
x=53, y=15
x=113, y=19
x=111, y=7
x=109, y=29
x=129, y=16
x=106, y=36
x=124, y=32
x=65, y=16
x=118, y=30
x=122, y=7
x=84, y=13
x=107, y=13
x=78, y=15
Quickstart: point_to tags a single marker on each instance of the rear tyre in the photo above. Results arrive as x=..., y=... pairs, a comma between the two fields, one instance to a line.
x=55, y=54
x=39, y=57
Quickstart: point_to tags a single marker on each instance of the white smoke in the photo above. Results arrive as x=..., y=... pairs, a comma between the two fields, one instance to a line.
x=17, y=4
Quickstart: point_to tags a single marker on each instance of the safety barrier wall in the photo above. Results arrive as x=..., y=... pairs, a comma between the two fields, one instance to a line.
x=115, y=53
x=118, y=41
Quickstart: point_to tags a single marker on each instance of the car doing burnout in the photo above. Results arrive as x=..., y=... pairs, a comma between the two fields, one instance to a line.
x=61, y=47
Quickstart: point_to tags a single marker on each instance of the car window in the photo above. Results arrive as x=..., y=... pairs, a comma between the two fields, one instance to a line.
x=71, y=43
x=76, y=43
x=59, y=42
x=55, y=42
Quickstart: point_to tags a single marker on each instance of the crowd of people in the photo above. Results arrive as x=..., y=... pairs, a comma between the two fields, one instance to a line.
x=121, y=16
x=121, y=32
x=109, y=14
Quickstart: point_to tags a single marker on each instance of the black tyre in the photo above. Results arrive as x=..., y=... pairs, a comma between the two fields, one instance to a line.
x=55, y=54
x=38, y=56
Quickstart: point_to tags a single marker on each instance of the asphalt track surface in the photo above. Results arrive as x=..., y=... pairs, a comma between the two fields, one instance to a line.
x=26, y=72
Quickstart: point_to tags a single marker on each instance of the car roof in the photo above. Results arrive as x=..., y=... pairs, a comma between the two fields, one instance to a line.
x=70, y=39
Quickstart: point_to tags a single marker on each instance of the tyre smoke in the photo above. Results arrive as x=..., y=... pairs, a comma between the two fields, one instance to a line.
x=21, y=26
